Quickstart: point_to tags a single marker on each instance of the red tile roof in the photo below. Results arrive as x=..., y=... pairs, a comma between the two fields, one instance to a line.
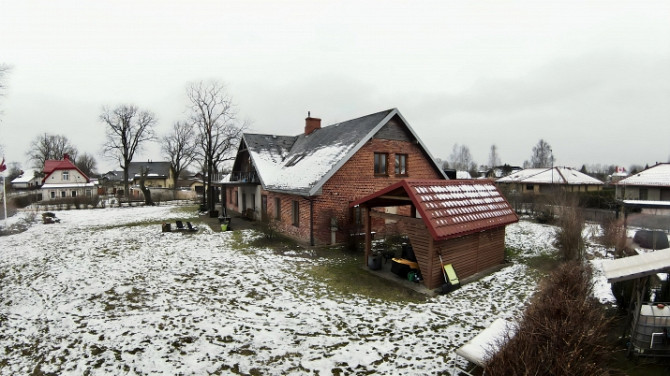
x=449, y=208
x=51, y=165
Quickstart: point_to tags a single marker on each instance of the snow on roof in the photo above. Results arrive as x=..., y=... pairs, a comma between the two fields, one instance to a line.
x=649, y=203
x=632, y=267
x=486, y=343
x=302, y=164
x=463, y=175
x=658, y=175
x=555, y=175
x=450, y=208
x=92, y=183
x=27, y=176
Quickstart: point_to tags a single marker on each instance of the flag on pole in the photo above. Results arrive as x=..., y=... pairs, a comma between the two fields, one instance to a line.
x=3, y=166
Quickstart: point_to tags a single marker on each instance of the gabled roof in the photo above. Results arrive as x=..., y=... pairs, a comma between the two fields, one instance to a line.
x=555, y=175
x=51, y=165
x=658, y=175
x=302, y=164
x=449, y=208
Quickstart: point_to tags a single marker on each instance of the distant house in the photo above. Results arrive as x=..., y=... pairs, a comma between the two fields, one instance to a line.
x=29, y=179
x=647, y=189
x=619, y=174
x=158, y=175
x=305, y=183
x=548, y=180
x=62, y=179
x=500, y=171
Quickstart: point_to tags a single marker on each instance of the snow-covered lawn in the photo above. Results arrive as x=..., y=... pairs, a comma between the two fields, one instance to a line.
x=93, y=296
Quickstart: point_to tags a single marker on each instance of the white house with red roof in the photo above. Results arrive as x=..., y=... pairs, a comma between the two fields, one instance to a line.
x=62, y=179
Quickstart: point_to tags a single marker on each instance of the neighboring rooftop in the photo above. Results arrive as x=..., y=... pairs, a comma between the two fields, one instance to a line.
x=26, y=177
x=555, y=175
x=658, y=175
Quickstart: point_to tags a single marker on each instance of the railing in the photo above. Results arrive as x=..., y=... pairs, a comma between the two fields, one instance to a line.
x=244, y=177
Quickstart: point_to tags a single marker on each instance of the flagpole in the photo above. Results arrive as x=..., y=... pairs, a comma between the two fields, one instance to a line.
x=4, y=197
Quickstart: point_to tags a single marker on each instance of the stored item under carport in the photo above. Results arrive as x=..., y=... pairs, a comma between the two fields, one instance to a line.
x=451, y=281
x=401, y=267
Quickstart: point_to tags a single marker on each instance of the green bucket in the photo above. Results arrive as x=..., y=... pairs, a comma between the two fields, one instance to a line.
x=224, y=227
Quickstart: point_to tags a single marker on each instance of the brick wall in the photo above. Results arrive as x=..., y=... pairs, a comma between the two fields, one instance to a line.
x=354, y=180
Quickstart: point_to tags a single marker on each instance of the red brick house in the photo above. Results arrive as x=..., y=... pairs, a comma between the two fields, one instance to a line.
x=305, y=183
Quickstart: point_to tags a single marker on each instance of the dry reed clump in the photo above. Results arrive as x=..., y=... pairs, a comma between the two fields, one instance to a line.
x=569, y=239
x=615, y=236
x=563, y=332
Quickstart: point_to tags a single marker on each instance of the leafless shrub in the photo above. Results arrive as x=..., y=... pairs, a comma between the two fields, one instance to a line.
x=563, y=332
x=614, y=236
x=569, y=239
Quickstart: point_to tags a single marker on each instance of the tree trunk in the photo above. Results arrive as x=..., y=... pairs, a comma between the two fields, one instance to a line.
x=145, y=190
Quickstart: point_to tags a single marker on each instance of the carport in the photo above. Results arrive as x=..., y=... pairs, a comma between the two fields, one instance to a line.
x=461, y=220
x=649, y=321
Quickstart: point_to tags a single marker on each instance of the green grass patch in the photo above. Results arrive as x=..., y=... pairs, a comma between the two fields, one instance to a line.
x=348, y=277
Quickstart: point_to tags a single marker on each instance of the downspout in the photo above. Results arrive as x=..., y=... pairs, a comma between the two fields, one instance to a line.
x=311, y=221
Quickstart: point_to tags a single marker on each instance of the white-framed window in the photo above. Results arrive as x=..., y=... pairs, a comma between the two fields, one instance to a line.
x=66, y=175
x=74, y=193
x=63, y=194
x=52, y=194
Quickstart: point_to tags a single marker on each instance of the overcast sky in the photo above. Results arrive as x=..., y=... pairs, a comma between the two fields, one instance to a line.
x=591, y=78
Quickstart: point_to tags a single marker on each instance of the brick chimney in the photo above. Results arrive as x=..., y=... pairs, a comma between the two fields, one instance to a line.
x=311, y=124
x=66, y=156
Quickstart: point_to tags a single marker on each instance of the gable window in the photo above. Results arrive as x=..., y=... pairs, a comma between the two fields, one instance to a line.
x=66, y=175
x=401, y=164
x=381, y=164
x=277, y=209
x=296, y=214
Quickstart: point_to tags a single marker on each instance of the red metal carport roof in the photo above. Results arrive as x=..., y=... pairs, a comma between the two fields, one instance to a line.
x=449, y=208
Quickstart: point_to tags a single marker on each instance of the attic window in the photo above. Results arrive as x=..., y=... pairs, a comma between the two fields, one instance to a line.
x=66, y=175
x=296, y=158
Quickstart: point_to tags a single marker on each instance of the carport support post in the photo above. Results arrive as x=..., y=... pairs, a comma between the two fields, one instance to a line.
x=368, y=236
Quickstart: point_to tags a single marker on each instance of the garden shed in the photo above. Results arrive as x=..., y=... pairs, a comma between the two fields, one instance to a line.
x=461, y=220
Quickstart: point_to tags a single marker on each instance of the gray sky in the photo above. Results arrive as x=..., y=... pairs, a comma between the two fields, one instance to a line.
x=591, y=78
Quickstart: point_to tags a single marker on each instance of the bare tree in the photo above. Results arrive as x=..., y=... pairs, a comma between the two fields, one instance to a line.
x=180, y=148
x=86, y=163
x=494, y=158
x=128, y=128
x=50, y=147
x=461, y=159
x=214, y=115
x=4, y=69
x=543, y=156
x=144, y=171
